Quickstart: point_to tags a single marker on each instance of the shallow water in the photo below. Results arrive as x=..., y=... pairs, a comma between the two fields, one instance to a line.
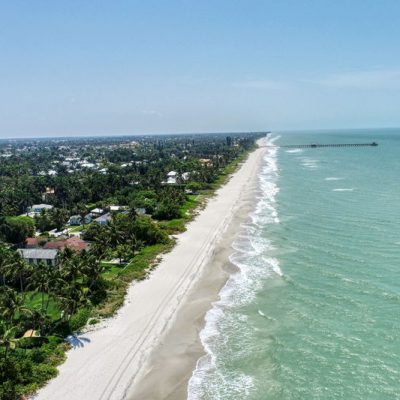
x=313, y=312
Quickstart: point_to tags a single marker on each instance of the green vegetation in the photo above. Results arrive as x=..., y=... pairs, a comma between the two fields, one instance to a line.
x=177, y=225
x=16, y=229
x=158, y=184
x=76, y=229
x=43, y=301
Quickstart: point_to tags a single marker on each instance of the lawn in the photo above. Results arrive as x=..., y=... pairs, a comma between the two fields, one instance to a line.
x=76, y=229
x=119, y=277
x=34, y=300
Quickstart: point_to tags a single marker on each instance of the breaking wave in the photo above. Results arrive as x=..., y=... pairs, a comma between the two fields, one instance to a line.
x=212, y=378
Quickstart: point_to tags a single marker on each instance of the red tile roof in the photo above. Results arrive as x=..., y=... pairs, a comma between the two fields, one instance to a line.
x=31, y=242
x=73, y=243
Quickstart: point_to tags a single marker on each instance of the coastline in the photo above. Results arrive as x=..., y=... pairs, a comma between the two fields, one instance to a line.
x=158, y=326
x=167, y=372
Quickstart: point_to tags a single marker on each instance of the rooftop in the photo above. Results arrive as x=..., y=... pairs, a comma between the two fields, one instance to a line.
x=46, y=206
x=42, y=254
x=74, y=243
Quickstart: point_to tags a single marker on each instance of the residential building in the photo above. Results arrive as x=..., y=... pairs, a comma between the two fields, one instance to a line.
x=36, y=256
x=103, y=219
x=37, y=208
x=76, y=220
x=31, y=242
x=96, y=212
x=74, y=243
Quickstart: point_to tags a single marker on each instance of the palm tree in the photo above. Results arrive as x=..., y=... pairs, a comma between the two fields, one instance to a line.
x=70, y=265
x=5, y=261
x=74, y=296
x=92, y=268
x=82, y=211
x=7, y=338
x=115, y=232
x=41, y=280
x=3, y=267
x=38, y=319
x=132, y=213
x=17, y=269
x=12, y=304
x=135, y=243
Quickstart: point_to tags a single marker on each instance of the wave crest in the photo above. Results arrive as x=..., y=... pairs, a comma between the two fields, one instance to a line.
x=212, y=378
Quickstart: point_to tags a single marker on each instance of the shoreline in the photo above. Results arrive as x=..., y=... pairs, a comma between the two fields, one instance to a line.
x=115, y=360
x=167, y=372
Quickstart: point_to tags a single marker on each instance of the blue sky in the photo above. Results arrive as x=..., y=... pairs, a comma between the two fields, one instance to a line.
x=121, y=67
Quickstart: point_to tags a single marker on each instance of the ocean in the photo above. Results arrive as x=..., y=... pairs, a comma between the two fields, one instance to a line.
x=313, y=309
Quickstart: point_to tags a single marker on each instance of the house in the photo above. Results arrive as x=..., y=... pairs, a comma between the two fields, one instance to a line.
x=96, y=212
x=37, y=208
x=75, y=220
x=74, y=243
x=205, y=162
x=48, y=193
x=186, y=176
x=118, y=208
x=31, y=242
x=171, y=180
x=87, y=219
x=55, y=233
x=103, y=219
x=36, y=256
x=85, y=164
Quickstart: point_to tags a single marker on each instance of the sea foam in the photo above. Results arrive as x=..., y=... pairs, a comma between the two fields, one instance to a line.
x=333, y=178
x=212, y=378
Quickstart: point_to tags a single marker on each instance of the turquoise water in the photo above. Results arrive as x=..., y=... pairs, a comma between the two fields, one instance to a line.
x=313, y=312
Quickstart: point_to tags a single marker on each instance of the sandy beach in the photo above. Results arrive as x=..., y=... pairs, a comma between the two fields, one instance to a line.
x=150, y=348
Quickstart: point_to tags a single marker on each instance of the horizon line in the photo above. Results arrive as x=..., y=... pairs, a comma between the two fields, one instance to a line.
x=122, y=135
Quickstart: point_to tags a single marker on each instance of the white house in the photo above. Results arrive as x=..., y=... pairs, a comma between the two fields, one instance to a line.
x=104, y=219
x=171, y=178
x=77, y=220
x=96, y=212
x=38, y=255
x=116, y=208
x=37, y=208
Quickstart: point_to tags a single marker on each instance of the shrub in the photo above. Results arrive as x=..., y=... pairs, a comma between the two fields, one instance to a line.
x=17, y=229
x=41, y=373
x=80, y=319
x=148, y=232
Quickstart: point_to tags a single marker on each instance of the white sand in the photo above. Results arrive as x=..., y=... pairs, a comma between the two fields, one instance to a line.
x=106, y=362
